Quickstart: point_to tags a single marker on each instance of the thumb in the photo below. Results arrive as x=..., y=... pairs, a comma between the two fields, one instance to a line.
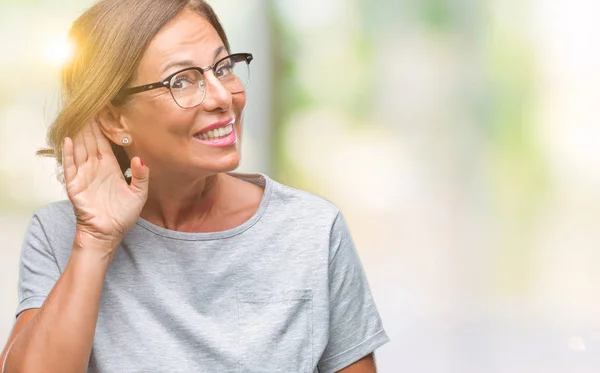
x=140, y=176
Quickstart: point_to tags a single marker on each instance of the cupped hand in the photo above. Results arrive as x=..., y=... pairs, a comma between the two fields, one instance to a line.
x=105, y=205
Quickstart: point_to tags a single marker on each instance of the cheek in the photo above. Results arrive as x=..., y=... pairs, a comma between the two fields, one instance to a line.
x=239, y=103
x=148, y=109
x=159, y=118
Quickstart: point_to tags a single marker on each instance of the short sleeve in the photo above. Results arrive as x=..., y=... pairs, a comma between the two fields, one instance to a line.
x=38, y=268
x=355, y=329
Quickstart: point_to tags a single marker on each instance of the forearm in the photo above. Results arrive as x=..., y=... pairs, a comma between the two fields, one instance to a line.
x=59, y=338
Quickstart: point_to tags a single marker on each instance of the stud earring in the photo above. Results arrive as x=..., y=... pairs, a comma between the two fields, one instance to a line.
x=125, y=141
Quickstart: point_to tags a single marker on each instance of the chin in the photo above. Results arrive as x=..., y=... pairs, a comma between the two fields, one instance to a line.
x=226, y=163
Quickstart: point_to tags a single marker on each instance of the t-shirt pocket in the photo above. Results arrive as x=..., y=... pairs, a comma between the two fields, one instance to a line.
x=275, y=331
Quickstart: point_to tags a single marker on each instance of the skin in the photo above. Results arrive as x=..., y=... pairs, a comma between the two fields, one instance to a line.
x=187, y=190
x=187, y=179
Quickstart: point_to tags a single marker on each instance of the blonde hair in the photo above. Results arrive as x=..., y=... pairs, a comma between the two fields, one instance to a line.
x=110, y=39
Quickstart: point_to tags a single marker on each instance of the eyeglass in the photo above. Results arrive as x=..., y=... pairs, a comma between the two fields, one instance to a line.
x=188, y=87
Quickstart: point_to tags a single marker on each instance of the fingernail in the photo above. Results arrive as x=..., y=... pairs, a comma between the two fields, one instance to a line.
x=142, y=162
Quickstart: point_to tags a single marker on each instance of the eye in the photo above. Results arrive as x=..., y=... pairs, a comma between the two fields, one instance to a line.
x=186, y=79
x=224, y=69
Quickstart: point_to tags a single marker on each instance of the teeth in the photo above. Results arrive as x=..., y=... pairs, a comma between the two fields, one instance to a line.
x=217, y=132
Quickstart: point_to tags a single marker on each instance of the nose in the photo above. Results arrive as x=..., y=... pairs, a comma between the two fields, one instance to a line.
x=217, y=98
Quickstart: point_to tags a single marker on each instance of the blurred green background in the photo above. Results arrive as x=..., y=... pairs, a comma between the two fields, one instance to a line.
x=459, y=138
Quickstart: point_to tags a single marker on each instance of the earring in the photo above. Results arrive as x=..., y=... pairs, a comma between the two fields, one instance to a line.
x=125, y=141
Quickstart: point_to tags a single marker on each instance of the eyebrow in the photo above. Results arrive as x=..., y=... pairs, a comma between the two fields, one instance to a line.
x=189, y=63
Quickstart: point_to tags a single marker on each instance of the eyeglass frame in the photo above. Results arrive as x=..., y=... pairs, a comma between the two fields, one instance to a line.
x=166, y=83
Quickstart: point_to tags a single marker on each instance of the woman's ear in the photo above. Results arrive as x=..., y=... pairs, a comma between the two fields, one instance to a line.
x=113, y=124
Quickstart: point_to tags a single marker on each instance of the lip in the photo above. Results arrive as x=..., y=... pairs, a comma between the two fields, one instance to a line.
x=222, y=123
x=220, y=142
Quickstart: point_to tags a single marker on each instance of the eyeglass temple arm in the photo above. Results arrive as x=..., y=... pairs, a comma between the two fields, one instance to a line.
x=146, y=87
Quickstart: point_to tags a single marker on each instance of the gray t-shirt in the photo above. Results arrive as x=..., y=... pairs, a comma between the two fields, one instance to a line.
x=283, y=292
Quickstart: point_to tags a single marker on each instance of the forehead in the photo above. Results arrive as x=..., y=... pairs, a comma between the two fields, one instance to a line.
x=187, y=37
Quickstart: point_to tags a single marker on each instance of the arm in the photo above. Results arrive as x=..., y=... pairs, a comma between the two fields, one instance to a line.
x=364, y=365
x=21, y=322
x=58, y=337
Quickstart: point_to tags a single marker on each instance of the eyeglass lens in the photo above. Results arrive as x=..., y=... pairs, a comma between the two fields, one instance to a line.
x=189, y=88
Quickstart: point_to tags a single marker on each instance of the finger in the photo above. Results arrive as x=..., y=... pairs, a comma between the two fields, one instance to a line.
x=89, y=139
x=140, y=177
x=79, y=150
x=104, y=147
x=69, y=168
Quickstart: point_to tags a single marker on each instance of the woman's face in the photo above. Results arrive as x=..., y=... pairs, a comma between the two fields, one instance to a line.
x=168, y=137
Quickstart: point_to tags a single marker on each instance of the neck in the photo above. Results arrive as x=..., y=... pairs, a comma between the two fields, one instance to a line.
x=181, y=203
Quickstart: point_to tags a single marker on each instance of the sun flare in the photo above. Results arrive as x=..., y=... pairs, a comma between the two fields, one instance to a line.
x=59, y=50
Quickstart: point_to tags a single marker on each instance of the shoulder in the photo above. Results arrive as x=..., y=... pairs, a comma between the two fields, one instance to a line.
x=311, y=215
x=56, y=218
x=59, y=209
x=50, y=233
x=300, y=203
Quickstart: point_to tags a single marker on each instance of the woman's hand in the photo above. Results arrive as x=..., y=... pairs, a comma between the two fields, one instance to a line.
x=105, y=205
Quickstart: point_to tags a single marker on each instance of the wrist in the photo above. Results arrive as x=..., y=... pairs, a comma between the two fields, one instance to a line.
x=95, y=246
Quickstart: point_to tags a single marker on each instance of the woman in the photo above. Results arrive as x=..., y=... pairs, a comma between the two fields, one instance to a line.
x=186, y=267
